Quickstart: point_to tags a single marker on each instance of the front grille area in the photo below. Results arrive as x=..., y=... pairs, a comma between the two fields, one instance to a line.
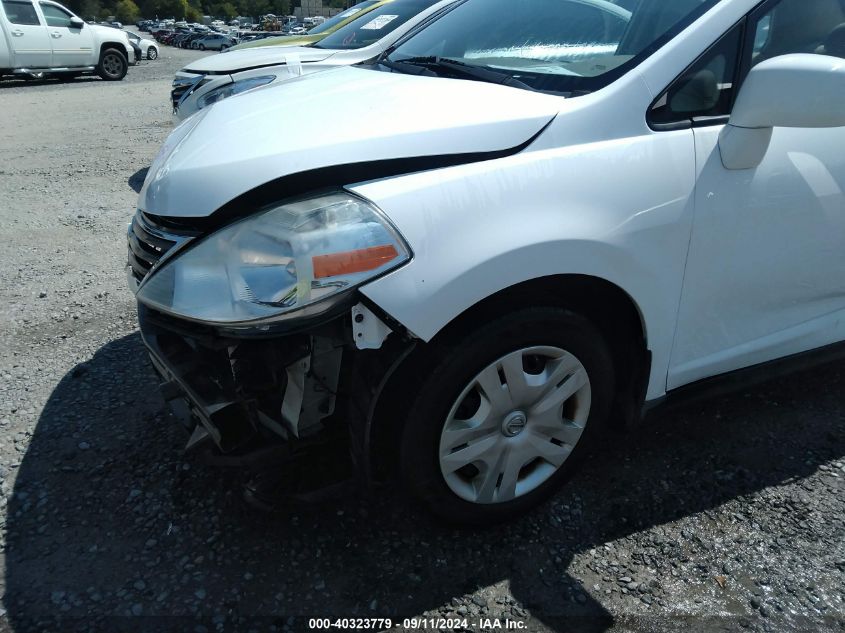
x=148, y=242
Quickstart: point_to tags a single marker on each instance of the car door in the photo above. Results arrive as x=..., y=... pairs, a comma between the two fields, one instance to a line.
x=72, y=46
x=765, y=274
x=29, y=41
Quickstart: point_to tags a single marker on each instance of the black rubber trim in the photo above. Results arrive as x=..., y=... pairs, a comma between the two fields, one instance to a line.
x=334, y=177
x=221, y=73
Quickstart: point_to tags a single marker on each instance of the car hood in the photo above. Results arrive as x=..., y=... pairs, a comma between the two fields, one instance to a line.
x=233, y=61
x=338, y=117
x=108, y=32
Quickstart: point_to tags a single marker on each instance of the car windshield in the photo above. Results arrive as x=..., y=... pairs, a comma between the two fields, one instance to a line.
x=330, y=24
x=565, y=47
x=374, y=25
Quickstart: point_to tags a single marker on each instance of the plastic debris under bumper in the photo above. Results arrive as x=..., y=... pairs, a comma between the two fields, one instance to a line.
x=243, y=392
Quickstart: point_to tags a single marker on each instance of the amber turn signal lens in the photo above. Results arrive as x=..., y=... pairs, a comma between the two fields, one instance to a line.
x=357, y=261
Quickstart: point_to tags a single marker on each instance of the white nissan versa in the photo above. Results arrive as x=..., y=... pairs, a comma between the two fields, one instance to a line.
x=532, y=222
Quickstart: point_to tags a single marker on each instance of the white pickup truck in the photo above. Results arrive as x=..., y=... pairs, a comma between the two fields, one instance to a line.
x=42, y=37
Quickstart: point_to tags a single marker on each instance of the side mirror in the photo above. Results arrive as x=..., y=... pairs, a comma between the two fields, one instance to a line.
x=76, y=23
x=800, y=90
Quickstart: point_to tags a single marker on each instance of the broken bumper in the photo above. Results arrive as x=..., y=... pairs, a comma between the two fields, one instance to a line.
x=242, y=390
x=247, y=395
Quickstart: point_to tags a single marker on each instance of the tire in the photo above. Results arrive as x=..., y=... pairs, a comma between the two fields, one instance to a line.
x=113, y=65
x=201, y=47
x=507, y=478
x=223, y=47
x=152, y=53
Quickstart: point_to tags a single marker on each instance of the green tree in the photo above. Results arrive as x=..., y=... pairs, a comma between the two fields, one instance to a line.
x=193, y=15
x=226, y=10
x=280, y=7
x=171, y=9
x=88, y=9
x=127, y=11
x=254, y=8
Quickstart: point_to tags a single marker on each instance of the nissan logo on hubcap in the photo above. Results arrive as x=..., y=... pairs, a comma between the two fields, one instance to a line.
x=514, y=424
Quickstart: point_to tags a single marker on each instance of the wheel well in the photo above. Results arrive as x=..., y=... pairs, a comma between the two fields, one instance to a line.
x=107, y=45
x=605, y=305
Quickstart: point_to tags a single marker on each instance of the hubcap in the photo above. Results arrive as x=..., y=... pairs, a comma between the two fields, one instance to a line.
x=112, y=65
x=514, y=425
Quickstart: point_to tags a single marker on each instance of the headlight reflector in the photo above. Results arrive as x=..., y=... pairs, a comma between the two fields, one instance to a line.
x=277, y=261
x=236, y=87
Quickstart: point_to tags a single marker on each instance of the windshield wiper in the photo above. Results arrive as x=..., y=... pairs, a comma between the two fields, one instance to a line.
x=434, y=63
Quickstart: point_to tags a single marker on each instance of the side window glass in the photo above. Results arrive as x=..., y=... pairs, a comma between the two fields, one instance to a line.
x=54, y=15
x=706, y=87
x=800, y=26
x=20, y=12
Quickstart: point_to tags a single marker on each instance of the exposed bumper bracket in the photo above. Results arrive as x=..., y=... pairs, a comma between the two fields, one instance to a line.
x=368, y=330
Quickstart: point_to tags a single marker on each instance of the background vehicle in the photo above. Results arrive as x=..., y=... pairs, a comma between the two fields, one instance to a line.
x=321, y=31
x=45, y=37
x=137, y=53
x=214, y=42
x=367, y=36
x=148, y=48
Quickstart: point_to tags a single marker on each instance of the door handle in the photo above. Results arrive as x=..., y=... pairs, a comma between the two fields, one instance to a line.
x=56, y=34
x=17, y=33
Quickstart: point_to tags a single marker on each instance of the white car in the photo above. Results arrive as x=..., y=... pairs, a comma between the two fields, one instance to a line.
x=44, y=37
x=521, y=233
x=210, y=79
x=149, y=49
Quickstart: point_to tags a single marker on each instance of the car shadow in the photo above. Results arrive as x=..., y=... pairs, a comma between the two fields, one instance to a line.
x=109, y=518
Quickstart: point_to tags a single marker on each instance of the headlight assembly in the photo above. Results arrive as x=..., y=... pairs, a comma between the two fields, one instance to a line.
x=233, y=88
x=281, y=260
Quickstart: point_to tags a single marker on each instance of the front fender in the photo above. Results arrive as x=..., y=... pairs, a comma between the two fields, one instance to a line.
x=597, y=211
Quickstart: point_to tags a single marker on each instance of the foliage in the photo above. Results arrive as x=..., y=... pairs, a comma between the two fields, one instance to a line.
x=126, y=11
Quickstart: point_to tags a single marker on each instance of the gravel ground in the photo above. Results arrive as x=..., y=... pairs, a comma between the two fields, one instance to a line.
x=727, y=515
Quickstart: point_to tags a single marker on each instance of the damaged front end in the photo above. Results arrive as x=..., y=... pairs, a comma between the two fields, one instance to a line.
x=266, y=350
x=300, y=402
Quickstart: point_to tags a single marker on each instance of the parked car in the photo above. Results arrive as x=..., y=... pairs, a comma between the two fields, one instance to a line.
x=214, y=42
x=520, y=235
x=210, y=79
x=137, y=54
x=319, y=32
x=47, y=38
x=148, y=48
x=189, y=41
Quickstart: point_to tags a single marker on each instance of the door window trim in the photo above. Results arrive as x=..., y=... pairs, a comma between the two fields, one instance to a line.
x=738, y=77
x=67, y=13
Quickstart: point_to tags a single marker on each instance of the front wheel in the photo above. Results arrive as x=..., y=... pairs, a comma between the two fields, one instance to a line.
x=504, y=415
x=152, y=53
x=113, y=65
x=202, y=47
